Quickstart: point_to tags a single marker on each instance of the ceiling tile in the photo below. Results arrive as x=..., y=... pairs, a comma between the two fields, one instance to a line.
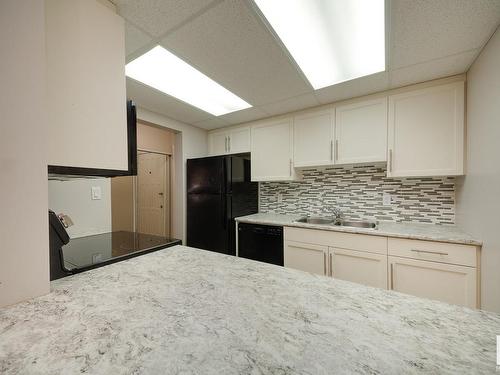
x=291, y=104
x=245, y=115
x=135, y=38
x=423, y=30
x=159, y=16
x=232, y=46
x=212, y=123
x=356, y=87
x=156, y=101
x=434, y=69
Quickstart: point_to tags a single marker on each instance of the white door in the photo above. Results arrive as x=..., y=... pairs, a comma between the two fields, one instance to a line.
x=361, y=132
x=271, y=148
x=439, y=281
x=313, y=138
x=426, y=132
x=306, y=257
x=359, y=267
x=153, y=194
x=217, y=143
x=239, y=140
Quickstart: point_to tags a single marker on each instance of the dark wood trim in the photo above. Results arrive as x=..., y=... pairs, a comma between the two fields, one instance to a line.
x=97, y=172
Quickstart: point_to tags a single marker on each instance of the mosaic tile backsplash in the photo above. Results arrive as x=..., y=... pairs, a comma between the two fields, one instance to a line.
x=358, y=192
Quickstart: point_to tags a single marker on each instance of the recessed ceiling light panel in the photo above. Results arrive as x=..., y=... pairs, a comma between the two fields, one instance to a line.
x=167, y=73
x=332, y=41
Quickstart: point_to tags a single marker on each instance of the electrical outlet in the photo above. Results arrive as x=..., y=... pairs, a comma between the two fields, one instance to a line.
x=386, y=199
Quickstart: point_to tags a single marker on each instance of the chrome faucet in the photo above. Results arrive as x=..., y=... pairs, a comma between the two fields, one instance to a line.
x=337, y=213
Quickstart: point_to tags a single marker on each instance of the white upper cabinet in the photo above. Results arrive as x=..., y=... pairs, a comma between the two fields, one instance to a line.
x=230, y=141
x=313, y=138
x=217, y=143
x=86, y=94
x=426, y=132
x=239, y=140
x=361, y=132
x=272, y=151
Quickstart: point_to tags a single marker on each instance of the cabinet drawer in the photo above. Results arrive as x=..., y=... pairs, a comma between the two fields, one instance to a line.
x=360, y=242
x=434, y=251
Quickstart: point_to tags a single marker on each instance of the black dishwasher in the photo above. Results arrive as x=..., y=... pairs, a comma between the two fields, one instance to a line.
x=261, y=242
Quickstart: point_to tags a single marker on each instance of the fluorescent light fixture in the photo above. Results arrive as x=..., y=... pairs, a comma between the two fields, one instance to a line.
x=167, y=73
x=332, y=41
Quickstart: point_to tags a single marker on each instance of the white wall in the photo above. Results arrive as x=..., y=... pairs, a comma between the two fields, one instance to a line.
x=24, y=241
x=478, y=194
x=73, y=198
x=190, y=142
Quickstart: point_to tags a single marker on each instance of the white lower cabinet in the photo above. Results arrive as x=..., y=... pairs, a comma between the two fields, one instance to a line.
x=359, y=267
x=441, y=271
x=440, y=281
x=353, y=257
x=306, y=257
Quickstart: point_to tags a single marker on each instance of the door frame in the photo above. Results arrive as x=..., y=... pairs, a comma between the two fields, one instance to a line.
x=168, y=184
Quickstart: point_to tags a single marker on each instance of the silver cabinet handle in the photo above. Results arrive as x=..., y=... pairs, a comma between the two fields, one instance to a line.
x=229, y=143
x=324, y=263
x=225, y=144
x=389, y=167
x=331, y=150
x=429, y=252
x=331, y=265
x=336, y=150
x=290, y=167
x=392, y=276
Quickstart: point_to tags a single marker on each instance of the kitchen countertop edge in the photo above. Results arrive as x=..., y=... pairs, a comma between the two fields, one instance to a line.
x=415, y=231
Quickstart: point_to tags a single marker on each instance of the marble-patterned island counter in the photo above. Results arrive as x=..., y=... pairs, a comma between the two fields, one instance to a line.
x=188, y=311
x=418, y=231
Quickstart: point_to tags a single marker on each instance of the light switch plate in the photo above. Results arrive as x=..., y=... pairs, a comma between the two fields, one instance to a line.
x=96, y=193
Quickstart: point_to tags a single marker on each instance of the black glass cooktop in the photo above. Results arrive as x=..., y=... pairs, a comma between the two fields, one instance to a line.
x=92, y=251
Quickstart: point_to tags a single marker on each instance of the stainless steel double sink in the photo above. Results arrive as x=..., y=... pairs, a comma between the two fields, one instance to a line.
x=338, y=222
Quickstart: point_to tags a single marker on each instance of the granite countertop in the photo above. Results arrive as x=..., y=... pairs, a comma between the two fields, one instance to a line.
x=189, y=311
x=431, y=232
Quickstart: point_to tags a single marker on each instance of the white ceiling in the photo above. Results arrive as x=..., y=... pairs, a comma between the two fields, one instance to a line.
x=226, y=40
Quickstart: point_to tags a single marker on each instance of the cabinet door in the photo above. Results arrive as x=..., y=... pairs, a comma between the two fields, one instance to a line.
x=239, y=140
x=439, y=281
x=306, y=257
x=426, y=132
x=217, y=143
x=313, y=139
x=361, y=132
x=359, y=267
x=86, y=92
x=272, y=151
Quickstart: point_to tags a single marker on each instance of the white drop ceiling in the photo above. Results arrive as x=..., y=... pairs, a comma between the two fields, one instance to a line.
x=229, y=42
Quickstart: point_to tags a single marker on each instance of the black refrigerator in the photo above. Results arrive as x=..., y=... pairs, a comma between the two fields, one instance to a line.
x=218, y=190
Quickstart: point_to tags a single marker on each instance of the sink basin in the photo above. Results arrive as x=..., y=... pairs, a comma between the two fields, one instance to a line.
x=340, y=223
x=317, y=220
x=357, y=224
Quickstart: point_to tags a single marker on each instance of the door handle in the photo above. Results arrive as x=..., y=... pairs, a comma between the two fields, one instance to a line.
x=225, y=144
x=336, y=149
x=331, y=265
x=160, y=193
x=390, y=160
x=392, y=276
x=228, y=143
x=429, y=252
x=331, y=150
x=290, y=167
x=324, y=263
